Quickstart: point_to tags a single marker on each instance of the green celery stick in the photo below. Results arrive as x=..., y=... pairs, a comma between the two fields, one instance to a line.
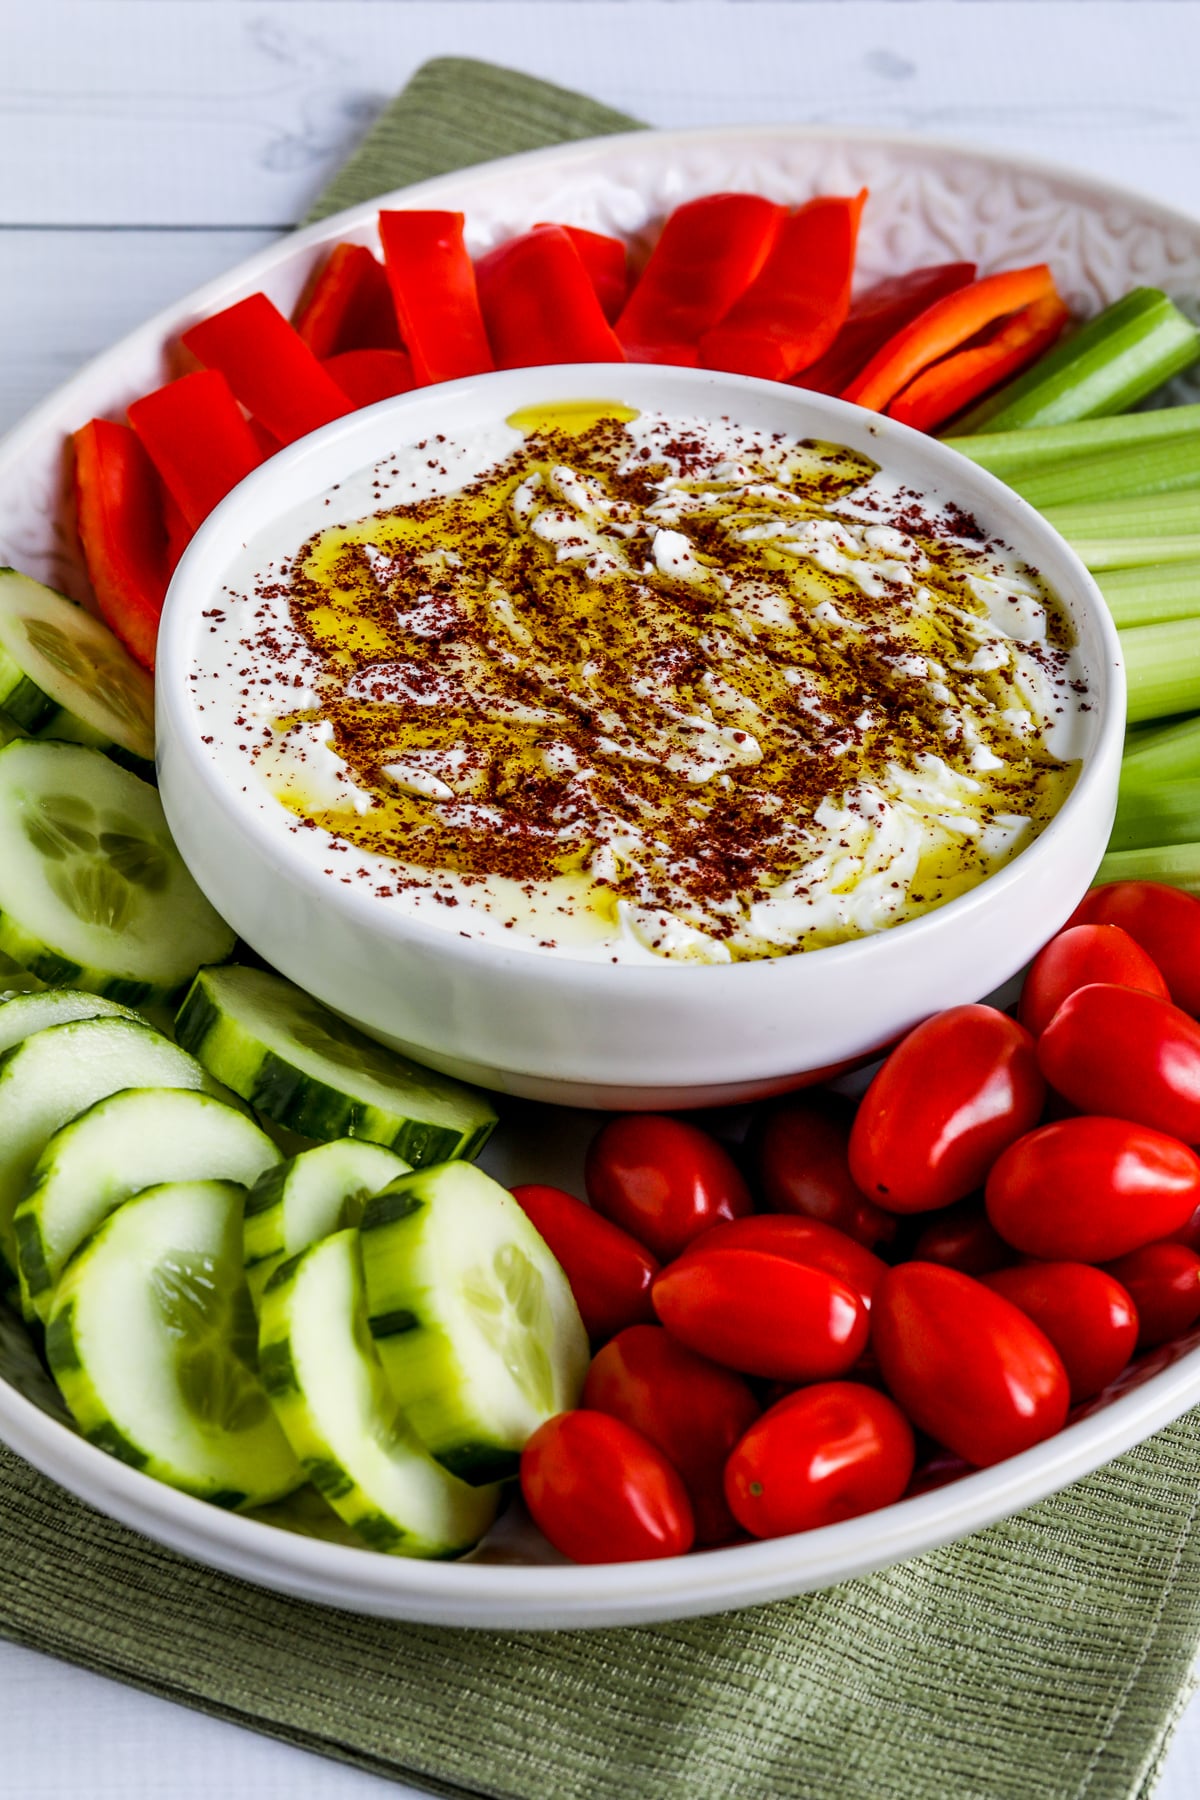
x=1162, y=669
x=1147, y=516
x=1152, y=593
x=1169, y=754
x=1177, y=865
x=1167, y=814
x=1135, y=551
x=1010, y=452
x=1164, y=466
x=1107, y=366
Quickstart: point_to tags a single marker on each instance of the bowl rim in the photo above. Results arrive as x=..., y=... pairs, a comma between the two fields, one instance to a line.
x=208, y=556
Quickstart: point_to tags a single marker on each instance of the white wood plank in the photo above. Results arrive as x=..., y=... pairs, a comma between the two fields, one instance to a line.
x=235, y=111
x=67, y=295
x=122, y=1745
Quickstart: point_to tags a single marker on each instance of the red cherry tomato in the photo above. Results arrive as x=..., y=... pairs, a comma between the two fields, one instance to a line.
x=820, y=1246
x=804, y=1166
x=609, y=1272
x=1164, y=1280
x=1188, y=1234
x=765, y=1315
x=1163, y=920
x=663, y=1181
x=965, y=1364
x=826, y=1453
x=1079, y=957
x=601, y=1492
x=692, y=1410
x=962, y=1237
x=951, y=1096
x=1127, y=1055
x=1086, y=1190
x=1087, y=1315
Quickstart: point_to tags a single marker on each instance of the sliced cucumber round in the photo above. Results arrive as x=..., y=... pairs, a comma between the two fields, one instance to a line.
x=50, y=1077
x=135, y=1139
x=64, y=674
x=302, y=1066
x=152, y=1341
x=309, y=1197
x=24, y=1014
x=473, y=1318
x=331, y=1397
x=92, y=889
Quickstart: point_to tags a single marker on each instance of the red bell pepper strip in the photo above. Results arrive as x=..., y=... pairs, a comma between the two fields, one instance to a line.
x=950, y=385
x=348, y=306
x=269, y=367
x=876, y=316
x=797, y=305
x=119, y=513
x=539, y=304
x=943, y=327
x=708, y=254
x=607, y=262
x=366, y=376
x=195, y=434
x=179, y=532
x=433, y=289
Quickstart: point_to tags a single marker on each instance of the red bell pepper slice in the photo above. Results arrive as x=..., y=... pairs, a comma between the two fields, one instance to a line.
x=348, y=306
x=876, y=316
x=433, y=289
x=269, y=367
x=797, y=305
x=943, y=327
x=607, y=262
x=179, y=532
x=366, y=376
x=119, y=514
x=950, y=385
x=708, y=254
x=195, y=434
x=539, y=304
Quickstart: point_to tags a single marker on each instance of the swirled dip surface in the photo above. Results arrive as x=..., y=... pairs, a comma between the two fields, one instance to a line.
x=626, y=686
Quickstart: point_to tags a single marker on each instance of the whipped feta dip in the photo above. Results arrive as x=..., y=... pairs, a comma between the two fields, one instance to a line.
x=629, y=687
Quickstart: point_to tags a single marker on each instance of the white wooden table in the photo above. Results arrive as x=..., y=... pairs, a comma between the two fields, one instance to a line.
x=146, y=145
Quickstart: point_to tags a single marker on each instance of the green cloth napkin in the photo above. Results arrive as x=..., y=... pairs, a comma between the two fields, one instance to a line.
x=1045, y=1658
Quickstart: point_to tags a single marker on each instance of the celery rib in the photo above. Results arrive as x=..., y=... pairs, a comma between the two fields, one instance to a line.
x=1171, y=465
x=1152, y=593
x=1177, y=865
x=1012, y=452
x=1162, y=669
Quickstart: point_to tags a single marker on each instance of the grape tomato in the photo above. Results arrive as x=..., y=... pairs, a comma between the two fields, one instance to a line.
x=803, y=1158
x=1128, y=1055
x=1078, y=957
x=1090, y=1189
x=951, y=1096
x=608, y=1271
x=1087, y=1314
x=662, y=1180
x=762, y=1314
x=690, y=1408
x=965, y=1364
x=601, y=1492
x=826, y=1453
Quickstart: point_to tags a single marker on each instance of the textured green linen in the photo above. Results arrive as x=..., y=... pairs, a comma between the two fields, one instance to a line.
x=1044, y=1659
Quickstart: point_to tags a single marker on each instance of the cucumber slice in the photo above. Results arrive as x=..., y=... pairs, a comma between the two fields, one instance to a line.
x=92, y=889
x=331, y=1397
x=64, y=674
x=152, y=1341
x=50, y=1077
x=302, y=1066
x=473, y=1318
x=309, y=1197
x=135, y=1139
x=308, y=1514
x=24, y=1014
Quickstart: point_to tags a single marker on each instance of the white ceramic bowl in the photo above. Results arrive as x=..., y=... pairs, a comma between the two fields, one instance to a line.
x=596, y=1033
x=930, y=202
